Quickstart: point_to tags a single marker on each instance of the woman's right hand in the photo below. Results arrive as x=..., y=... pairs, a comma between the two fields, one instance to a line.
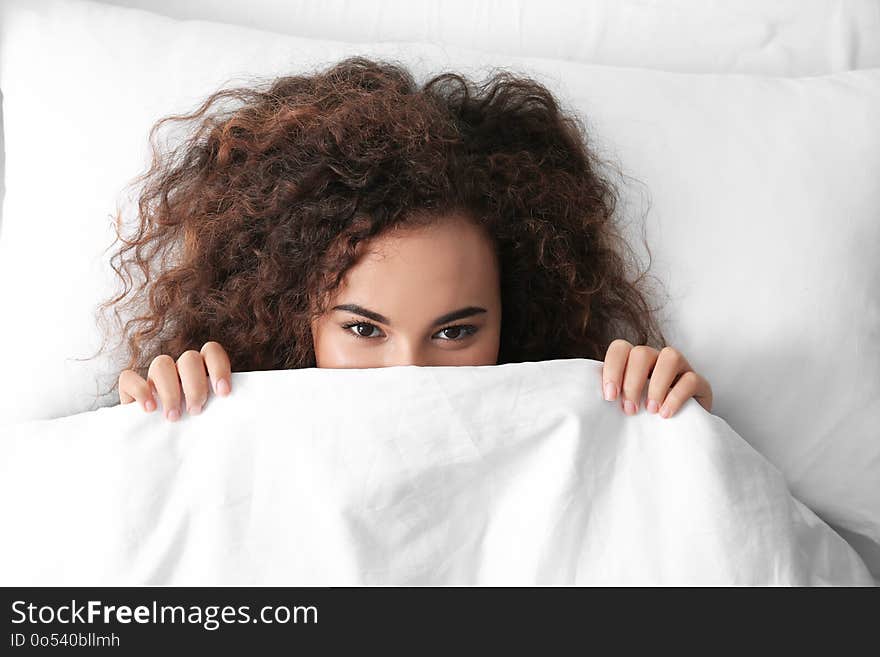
x=166, y=378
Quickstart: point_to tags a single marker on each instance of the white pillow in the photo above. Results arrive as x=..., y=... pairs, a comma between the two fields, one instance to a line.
x=763, y=218
x=766, y=37
x=760, y=37
x=778, y=37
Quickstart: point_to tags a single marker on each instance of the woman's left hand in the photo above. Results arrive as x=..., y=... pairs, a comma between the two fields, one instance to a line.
x=673, y=382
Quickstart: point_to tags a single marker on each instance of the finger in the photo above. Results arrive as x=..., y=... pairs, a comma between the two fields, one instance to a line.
x=686, y=387
x=703, y=395
x=193, y=379
x=163, y=375
x=132, y=386
x=671, y=363
x=219, y=368
x=638, y=366
x=612, y=368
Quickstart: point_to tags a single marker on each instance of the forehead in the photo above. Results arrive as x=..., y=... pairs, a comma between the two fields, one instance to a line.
x=448, y=262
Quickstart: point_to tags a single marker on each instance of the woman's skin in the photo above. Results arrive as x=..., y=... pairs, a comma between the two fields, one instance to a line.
x=403, y=286
x=396, y=306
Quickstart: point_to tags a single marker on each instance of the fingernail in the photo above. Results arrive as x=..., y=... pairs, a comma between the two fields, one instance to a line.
x=222, y=387
x=610, y=391
x=652, y=406
x=629, y=408
x=149, y=406
x=664, y=411
x=195, y=410
x=173, y=415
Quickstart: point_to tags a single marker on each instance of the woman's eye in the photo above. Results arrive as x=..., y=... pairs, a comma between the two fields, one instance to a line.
x=362, y=329
x=455, y=333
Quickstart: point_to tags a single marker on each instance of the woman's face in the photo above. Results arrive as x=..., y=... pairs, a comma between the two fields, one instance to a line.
x=426, y=296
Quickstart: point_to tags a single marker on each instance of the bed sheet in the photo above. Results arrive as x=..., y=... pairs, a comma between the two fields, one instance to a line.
x=515, y=474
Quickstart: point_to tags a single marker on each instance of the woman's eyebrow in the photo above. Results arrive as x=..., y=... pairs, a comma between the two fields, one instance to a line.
x=443, y=319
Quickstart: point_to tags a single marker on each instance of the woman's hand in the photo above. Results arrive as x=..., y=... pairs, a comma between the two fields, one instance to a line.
x=673, y=382
x=167, y=377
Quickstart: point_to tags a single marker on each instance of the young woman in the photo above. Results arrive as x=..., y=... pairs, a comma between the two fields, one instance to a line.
x=352, y=218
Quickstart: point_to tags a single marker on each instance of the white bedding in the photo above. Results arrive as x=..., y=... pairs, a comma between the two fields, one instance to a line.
x=736, y=221
x=512, y=474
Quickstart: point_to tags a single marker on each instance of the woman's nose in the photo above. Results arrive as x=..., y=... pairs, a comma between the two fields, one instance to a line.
x=407, y=356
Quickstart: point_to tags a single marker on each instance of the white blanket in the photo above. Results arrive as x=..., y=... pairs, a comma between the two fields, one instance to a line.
x=504, y=475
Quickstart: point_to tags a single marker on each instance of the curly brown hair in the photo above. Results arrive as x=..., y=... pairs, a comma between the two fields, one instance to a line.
x=248, y=225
